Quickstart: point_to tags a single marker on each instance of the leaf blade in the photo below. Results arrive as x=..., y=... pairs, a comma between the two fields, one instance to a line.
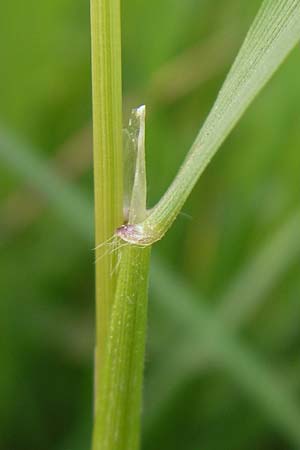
x=273, y=34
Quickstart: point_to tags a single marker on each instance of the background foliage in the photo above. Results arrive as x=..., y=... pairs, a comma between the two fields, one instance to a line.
x=222, y=368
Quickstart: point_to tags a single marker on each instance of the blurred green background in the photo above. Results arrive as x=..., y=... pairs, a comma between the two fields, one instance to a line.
x=222, y=365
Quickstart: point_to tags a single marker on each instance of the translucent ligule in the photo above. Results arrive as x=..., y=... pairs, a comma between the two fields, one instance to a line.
x=129, y=162
x=134, y=167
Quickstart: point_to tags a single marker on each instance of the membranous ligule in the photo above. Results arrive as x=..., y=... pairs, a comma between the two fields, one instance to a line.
x=134, y=175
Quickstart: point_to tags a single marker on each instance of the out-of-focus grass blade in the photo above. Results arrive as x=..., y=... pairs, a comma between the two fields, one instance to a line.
x=67, y=201
x=243, y=298
x=214, y=341
x=251, y=286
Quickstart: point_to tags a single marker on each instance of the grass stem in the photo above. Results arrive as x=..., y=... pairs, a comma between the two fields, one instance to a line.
x=107, y=134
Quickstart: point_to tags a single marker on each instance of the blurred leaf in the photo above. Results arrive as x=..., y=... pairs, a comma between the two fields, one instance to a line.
x=65, y=198
x=263, y=386
x=250, y=287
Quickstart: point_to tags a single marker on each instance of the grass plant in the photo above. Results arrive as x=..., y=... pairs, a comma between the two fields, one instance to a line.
x=121, y=295
x=222, y=359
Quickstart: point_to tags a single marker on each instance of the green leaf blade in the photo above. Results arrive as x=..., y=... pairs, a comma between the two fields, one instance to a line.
x=274, y=33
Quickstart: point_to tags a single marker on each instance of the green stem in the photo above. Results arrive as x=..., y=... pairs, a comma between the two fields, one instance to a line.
x=121, y=271
x=107, y=130
x=118, y=416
